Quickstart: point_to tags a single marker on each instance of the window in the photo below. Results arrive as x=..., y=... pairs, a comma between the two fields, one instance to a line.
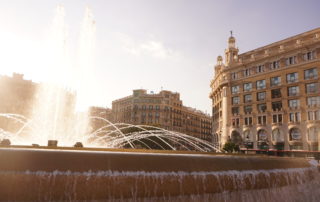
x=277, y=118
x=247, y=109
x=311, y=116
x=247, y=87
x=311, y=73
x=260, y=68
x=247, y=98
x=276, y=93
x=312, y=101
x=262, y=135
x=294, y=117
x=144, y=107
x=293, y=90
x=234, y=75
x=262, y=107
x=291, y=60
x=275, y=64
x=317, y=115
x=309, y=55
x=157, y=107
x=150, y=107
x=247, y=135
x=314, y=115
x=235, y=89
x=261, y=84
x=157, y=115
x=261, y=96
x=292, y=77
x=276, y=106
x=295, y=134
x=235, y=122
x=235, y=110
x=262, y=120
x=275, y=81
x=294, y=103
x=312, y=88
x=248, y=121
x=235, y=100
x=246, y=72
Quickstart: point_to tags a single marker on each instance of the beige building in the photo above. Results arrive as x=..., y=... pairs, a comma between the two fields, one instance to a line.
x=164, y=110
x=269, y=97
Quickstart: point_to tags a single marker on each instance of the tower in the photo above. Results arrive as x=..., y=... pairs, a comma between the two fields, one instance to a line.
x=231, y=53
x=219, y=65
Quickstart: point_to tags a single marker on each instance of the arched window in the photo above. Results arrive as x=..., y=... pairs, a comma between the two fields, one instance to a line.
x=295, y=134
x=247, y=135
x=236, y=138
x=313, y=134
x=262, y=135
x=277, y=135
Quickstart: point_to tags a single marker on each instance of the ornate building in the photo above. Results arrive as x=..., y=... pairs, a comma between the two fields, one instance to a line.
x=269, y=97
x=163, y=110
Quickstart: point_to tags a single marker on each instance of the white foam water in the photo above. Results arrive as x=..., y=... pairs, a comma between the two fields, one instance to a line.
x=293, y=184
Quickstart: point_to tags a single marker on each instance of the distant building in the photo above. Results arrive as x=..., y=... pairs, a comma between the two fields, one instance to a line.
x=98, y=116
x=17, y=94
x=23, y=97
x=269, y=97
x=164, y=110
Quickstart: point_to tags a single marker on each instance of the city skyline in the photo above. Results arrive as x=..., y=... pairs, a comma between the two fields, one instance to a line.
x=150, y=45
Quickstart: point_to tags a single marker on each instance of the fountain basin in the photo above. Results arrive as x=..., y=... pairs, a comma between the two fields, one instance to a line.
x=54, y=174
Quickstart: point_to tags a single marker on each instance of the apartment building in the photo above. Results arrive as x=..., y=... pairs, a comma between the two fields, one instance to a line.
x=164, y=110
x=269, y=97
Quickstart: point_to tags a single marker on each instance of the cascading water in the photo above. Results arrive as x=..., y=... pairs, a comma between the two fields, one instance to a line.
x=123, y=176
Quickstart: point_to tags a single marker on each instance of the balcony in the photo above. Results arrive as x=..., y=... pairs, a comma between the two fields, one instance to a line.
x=311, y=76
x=294, y=108
x=313, y=106
x=292, y=80
x=276, y=124
x=277, y=109
x=292, y=94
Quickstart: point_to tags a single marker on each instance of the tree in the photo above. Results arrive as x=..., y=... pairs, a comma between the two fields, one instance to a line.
x=230, y=147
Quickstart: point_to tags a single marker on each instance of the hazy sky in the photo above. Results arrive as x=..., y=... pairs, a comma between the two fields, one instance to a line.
x=150, y=43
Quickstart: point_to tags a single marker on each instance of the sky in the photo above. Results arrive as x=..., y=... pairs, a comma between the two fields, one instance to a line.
x=149, y=44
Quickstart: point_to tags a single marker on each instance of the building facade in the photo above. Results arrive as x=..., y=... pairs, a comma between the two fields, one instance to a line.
x=17, y=94
x=269, y=97
x=25, y=97
x=164, y=110
x=99, y=117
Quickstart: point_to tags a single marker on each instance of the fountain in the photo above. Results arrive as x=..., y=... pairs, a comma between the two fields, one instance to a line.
x=116, y=162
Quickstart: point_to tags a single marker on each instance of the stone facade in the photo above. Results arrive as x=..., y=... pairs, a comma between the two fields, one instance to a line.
x=269, y=97
x=164, y=110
